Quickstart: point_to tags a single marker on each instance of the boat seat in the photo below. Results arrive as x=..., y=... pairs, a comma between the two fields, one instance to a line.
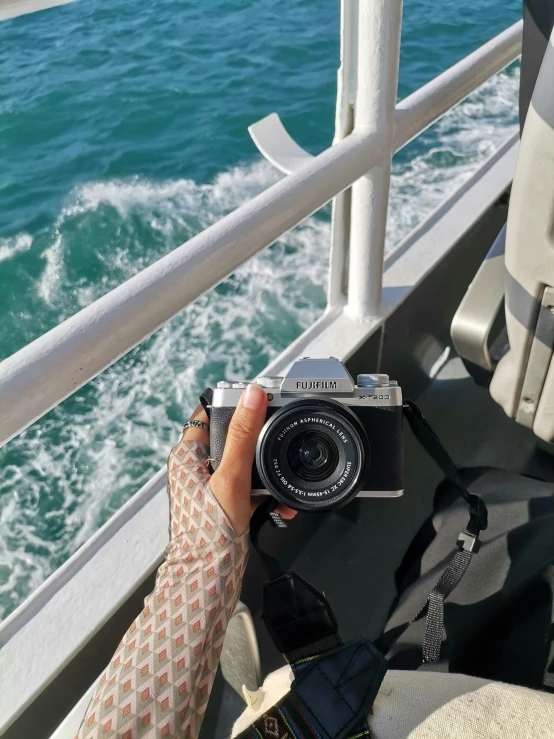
x=517, y=282
x=421, y=705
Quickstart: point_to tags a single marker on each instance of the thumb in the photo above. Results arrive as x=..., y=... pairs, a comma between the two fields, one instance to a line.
x=232, y=481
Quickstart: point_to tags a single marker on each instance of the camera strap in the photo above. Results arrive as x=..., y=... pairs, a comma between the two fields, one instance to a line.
x=206, y=399
x=467, y=542
x=264, y=513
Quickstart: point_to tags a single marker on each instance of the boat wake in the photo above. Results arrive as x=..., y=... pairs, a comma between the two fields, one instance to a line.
x=10, y=247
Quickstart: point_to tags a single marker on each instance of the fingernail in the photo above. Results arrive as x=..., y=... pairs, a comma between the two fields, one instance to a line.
x=253, y=397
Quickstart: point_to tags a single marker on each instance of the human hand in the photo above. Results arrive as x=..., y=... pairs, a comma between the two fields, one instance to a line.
x=232, y=481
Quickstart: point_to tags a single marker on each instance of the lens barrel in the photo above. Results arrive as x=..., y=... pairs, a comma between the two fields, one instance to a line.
x=311, y=454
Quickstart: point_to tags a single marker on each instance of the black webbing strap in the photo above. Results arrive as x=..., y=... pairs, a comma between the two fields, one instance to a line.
x=421, y=429
x=434, y=624
x=468, y=540
x=206, y=400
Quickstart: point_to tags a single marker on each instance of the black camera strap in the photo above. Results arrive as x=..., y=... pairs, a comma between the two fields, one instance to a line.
x=422, y=430
x=264, y=513
x=468, y=540
x=206, y=399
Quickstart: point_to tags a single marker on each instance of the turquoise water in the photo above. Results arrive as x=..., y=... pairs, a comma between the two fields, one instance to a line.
x=122, y=134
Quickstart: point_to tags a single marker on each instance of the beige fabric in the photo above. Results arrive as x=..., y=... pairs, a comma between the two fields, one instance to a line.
x=276, y=685
x=432, y=705
x=425, y=705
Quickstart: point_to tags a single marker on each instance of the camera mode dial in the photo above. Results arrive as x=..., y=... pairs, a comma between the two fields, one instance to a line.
x=273, y=382
x=373, y=380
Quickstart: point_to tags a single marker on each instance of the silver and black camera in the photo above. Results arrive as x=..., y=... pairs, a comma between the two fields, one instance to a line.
x=325, y=440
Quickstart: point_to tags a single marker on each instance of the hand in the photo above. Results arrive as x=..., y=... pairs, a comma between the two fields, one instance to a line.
x=232, y=482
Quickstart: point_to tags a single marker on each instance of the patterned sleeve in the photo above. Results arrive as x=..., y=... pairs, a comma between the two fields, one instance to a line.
x=159, y=680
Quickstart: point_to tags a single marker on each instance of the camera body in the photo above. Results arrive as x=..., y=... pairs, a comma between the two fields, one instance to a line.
x=325, y=440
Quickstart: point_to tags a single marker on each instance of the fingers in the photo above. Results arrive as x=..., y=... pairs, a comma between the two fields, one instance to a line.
x=195, y=433
x=286, y=512
x=283, y=510
x=242, y=437
x=232, y=482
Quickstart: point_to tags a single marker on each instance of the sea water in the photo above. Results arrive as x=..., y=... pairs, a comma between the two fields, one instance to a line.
x=122, y=134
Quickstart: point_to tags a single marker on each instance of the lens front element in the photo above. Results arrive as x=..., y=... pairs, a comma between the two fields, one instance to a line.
x=311, y=454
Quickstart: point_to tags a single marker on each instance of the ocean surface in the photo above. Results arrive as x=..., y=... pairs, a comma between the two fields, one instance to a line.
x=122, y=134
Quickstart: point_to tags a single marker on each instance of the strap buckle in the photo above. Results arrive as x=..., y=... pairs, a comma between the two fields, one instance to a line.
x=468, y=542
x=478, y=515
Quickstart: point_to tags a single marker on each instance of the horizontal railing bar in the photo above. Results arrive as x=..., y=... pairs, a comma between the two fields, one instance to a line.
x=48, y=370
x=14, y=8
x=45, y=372
x=422, y=108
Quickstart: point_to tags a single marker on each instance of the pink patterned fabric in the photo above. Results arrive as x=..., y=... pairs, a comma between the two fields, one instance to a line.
x=160, y=678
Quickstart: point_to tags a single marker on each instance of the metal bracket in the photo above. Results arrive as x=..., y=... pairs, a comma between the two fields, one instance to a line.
x=276, y=144
x=468, y=542
x=538, y=362
x=475, y=318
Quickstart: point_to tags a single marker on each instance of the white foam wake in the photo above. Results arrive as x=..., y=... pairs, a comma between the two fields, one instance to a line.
x=67, y=474
x=16, y=245
x=452, y=150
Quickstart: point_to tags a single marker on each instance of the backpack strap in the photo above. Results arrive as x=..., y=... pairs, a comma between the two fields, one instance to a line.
x=334, y=684
x=298, y=617
x=330, y=696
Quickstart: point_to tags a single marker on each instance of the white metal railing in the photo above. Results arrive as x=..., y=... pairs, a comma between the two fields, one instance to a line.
x=52, y=367
x=378, y=55
x=13, y=8
x=413, y=115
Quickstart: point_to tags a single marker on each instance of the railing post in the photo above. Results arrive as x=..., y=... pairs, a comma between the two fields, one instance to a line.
x=344, y=123
x=377, y=82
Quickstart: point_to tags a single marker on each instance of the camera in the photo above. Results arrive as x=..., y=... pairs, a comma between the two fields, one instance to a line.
x=325, y=440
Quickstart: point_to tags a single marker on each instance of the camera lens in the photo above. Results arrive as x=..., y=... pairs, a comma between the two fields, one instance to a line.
x=311, y=454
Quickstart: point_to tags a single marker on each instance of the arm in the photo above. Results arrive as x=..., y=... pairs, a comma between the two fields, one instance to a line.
x=160, y=678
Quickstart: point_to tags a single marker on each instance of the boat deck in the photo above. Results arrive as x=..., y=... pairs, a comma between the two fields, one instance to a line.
x=352, y=554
